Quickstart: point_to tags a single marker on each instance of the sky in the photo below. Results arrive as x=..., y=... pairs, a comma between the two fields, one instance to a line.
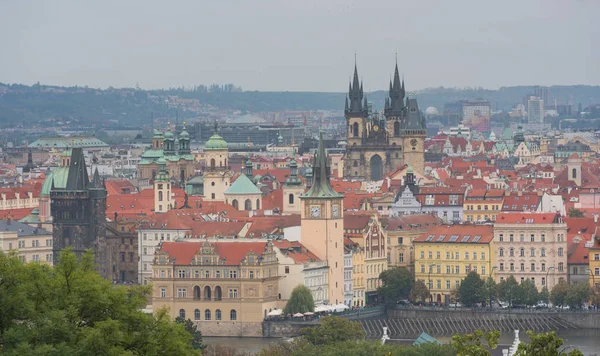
x=307, y=45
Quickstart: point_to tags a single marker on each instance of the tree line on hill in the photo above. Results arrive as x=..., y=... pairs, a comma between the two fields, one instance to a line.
x=32, y=104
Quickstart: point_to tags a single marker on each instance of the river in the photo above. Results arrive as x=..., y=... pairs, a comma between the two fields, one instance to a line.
x=586, y=340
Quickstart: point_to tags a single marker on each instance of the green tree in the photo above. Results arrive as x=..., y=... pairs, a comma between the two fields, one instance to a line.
x=333, y=329
x=70, y=309
x=544, y=344
x=472, y=290
x=545, y=295
x=577, y=294
x=491, y=290
x=191, y=327
x=528, y=293
x=474, y=345
x=558, y=295
x=576, y=213
x=301, y=301
x=508, y=290
x=419, y=292
x=396, y=284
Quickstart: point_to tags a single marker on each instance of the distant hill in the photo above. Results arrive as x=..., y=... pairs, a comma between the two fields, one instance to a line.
x=38, y=103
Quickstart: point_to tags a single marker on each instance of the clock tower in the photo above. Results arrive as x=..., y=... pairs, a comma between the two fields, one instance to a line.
x=413, y=137
x=322, y=224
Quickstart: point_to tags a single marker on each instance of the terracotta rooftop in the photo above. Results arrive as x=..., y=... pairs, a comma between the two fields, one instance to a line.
x=527, y=218
x=232, y=251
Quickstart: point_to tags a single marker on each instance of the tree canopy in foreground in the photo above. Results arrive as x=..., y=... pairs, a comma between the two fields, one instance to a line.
x=70, y=309
x=301, y=301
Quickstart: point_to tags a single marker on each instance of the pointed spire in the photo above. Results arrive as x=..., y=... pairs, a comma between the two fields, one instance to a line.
x=346, y=107
x=397, y=84
x=96, y=179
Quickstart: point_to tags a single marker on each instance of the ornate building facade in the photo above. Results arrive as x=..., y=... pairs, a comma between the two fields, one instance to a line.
x=378, y=144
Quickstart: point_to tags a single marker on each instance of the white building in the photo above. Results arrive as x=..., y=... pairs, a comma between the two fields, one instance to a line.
x=535, y=109
x=315, y=278
x=348, y=291
x=148, y=241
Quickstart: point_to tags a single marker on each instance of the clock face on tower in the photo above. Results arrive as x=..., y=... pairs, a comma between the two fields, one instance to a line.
x=375, y=128
x=315, y=211
x=335, y=211
x=413, y=142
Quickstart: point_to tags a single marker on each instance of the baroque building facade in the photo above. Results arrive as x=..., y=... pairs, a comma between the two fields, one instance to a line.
x=377, y=144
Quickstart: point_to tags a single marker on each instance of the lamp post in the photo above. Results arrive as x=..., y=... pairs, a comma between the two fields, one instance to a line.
x=491, y=271
x=429, y=285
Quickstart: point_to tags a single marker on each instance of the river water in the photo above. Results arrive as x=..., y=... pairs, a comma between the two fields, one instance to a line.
x=586, y=340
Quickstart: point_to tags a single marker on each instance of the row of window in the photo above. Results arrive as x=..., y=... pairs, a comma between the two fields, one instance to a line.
x=479, y=217
x=485, y=207
x=452, y=269
x=450, y=255
x=439, y=284
x=511, y=267
x=511, y=252
x=162, y=237
x=206, y=274
x=208, y=314
x=511, y=237
x=36, y=258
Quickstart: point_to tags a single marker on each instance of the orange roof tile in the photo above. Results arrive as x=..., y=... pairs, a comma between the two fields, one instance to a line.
x=232, y=251
x=526, y=218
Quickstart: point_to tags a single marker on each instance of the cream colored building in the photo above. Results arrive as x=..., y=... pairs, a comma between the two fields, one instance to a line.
x=531, y=246
x=31, y=244
x=401, y=231
x=366, y=231
x=217, y=173
x=225, y=287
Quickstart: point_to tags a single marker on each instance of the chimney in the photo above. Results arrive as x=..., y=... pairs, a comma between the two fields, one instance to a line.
x=595, y=218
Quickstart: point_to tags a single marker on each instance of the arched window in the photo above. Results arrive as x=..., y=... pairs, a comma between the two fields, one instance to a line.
x=532, y=252
x=182, y=313
x=543, y=252
x=207, y=314
x=207, y=293
x=232, y=315
x=574, y=173
x=212, y=163
x=218, y=293
x=522, y=252
x=218, y=314
x=291, y=198
x=247, y=205
x=234, y=202
x=197, y=294
x=257, y=204
x=396, y=128
x=560, y=251
x=197, y=314
x=355, y=129
x=511, y=252
x=355, y=164
x=160, y=195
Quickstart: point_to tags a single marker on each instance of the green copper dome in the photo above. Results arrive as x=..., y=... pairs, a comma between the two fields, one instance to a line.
x=169, y=133
x=215, y=142
x=157, y=134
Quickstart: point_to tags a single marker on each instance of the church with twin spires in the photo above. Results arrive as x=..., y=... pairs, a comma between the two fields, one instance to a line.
x=378, y=144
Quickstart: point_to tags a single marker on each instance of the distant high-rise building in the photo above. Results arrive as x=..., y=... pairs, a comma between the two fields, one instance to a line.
x=476, y=115
x=535, y=109
x=541, y=92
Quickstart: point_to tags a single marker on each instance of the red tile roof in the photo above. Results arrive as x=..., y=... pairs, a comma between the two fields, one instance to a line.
x=526, y=218
x=15, y=214
x=232, y=251
x=356, y=220
x=296, y=251
x=481, y=234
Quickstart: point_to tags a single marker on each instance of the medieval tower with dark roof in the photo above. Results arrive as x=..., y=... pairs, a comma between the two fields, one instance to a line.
x=78, y=212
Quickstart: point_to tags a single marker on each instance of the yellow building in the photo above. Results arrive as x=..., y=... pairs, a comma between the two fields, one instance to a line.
x=225, y=287
x=31, y=244
x=594, y=263
x=358, y=273
x=483, y=205
x=445, y=255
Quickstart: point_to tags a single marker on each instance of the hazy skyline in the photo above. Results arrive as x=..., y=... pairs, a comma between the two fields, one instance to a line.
x=280, y=45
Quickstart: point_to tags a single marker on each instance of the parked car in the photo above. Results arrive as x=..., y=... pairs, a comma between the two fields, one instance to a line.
x=404, y=302
x=541, y=305
x=455, y=305
x=503, y=305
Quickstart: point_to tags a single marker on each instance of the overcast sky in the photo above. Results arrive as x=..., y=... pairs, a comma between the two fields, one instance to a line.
x=305, y=45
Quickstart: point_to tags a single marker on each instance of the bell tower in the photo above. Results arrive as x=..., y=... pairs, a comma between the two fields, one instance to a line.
x=292, y=189
x=322, y=224
x=356, y=112
x=162, y=189
x=217, y=174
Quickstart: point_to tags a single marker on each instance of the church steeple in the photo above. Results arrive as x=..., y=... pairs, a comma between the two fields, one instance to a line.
x=321, y=188
x=396, y=95
x=355, y=94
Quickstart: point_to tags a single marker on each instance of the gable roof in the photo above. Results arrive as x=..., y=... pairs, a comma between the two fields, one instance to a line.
x=232, y=251
x=242, y=186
